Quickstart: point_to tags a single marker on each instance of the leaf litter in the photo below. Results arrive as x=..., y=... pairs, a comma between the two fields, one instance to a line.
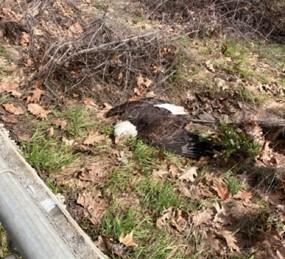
x=13, y=108
x=211, y=219
x=94, y=205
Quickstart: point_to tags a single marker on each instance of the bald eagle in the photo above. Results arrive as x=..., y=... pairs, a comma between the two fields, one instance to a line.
x=160, y=123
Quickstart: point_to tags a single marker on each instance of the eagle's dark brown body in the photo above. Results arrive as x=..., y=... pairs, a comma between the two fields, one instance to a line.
x=159, y=126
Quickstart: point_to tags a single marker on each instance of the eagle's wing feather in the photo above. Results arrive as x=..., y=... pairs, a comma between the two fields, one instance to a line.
x=144, y=112
x=175, y=137
x=163, y=128
x=157, y=125
x=132, y=107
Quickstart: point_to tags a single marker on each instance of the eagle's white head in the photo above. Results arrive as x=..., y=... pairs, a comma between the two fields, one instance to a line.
x=123, y=130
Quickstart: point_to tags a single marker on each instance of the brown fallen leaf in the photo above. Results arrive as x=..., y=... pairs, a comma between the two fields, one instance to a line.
x=102, y=111
x=89, y=102
x=94, y=172
x=50, y=132
x=8, y=86
x=164, y=219
x=128, y=239
x=179, y=222
x=12, y=108
x=221, y=189
x=24, y=136
x=268, y=155
x=77, y=147
x=68, y=142
x=127, y=200
x=230, y=240
x=93, y=138
x=76, y=28
x=220, y=213
x=160, y=173
x=189, y=174
x=202, y=217
x=143, y=81
x=108, y=245
x=59, y=123
x=173, y=170
x=38, y=110
x=35, y=96
x=9, y=118
x=172, y=220
x=24, y=38
x=210, y=66
x=29, y=62
x=94, y=205
x=242, y=195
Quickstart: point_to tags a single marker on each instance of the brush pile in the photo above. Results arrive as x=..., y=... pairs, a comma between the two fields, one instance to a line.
x=100, y=61
x=75, y=54
x=255, y=17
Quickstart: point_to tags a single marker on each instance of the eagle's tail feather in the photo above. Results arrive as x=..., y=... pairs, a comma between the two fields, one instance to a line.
x=193, y=146
x=196, y=147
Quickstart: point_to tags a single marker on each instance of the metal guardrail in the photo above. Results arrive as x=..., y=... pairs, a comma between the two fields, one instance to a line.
x=37, y=222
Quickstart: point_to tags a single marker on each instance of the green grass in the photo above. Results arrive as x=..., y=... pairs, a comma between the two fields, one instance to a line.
x=237, y=143
x=240, y=54
x=78, y=120
x=47, y=154
x=4, y=98
x=248, y=96
x=143, y=154
x=4, y=251
x=234, y=185
x=106, y=129
x=120, y=178
x=196, y=240
x=151, y=243
x=157, y=196
x=235, y=50
x=161, y=246
x=3, y=52
x=116, y=222
x=272, y=52
x=173, y=158
x=138, y=19
x=100, y=6
x=54, y=186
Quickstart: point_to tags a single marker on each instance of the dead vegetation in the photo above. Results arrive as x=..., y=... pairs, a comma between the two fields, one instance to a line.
x=75, y=55
x=111, y=66
x=134, y=200
x=262, y=18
